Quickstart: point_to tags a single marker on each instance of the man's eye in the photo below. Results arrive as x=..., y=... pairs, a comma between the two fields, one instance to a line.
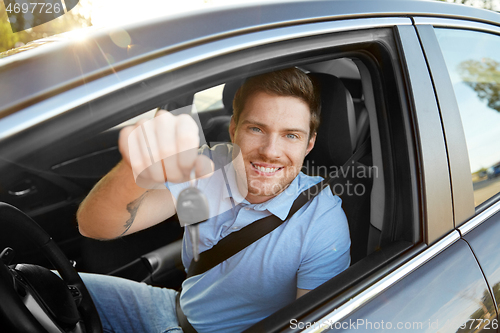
x=255, y=129
x=292, y=136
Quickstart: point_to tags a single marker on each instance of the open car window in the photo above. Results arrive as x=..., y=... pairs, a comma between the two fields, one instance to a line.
x=355, y=107
x=363, y=109
x=209, y=99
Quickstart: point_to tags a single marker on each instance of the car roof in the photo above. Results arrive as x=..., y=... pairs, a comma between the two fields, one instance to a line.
x=62, y=63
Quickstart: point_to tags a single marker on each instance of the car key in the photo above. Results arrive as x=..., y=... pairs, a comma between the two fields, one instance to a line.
x=192, y=209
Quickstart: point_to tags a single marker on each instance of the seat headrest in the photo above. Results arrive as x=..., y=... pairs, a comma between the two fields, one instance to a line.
x=230, y=89
x=336, y=137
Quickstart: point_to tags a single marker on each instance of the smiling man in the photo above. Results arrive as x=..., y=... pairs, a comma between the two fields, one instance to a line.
x=273, y=135
x=273, y=128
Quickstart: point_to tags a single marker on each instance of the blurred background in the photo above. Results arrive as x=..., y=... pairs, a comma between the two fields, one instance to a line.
x=97, y=14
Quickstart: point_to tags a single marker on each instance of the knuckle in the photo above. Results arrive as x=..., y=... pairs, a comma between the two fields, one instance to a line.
x=166, y=151
x=186, y=123
x=137, y=166
x=174, y=177
x=158, y=176
x=188, y=140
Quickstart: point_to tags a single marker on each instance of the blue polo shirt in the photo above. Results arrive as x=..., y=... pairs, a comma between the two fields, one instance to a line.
x=303, y=252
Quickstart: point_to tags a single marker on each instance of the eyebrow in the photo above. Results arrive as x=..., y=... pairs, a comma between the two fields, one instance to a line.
x=251, y=122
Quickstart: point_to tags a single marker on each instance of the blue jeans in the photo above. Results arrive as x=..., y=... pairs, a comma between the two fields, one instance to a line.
x=129, y=306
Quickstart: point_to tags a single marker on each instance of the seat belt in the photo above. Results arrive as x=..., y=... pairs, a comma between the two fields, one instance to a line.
x=239, y=240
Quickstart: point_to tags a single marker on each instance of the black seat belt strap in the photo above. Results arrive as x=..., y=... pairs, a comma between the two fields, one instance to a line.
x=237, y=241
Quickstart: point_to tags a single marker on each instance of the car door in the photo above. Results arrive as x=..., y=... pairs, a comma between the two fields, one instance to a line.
x=470, y=101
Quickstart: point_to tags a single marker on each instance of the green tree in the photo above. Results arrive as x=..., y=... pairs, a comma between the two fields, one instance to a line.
x=74, y=19
x=484, y=78
x=7, y=39
x=486, y=4
x=484, y=310
x=496, y=291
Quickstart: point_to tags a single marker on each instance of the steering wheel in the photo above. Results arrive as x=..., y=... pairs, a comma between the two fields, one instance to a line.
x=33, y=298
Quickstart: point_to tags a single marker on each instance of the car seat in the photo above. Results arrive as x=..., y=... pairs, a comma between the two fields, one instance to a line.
x=217, y=128
x=336, y=141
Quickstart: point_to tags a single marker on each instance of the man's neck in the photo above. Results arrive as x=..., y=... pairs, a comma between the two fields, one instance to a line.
x=258, y=199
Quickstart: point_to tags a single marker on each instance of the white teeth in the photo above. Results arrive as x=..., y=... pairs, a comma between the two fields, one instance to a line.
x=268, y=170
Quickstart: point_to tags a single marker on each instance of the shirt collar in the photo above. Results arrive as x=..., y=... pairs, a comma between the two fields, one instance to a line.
x=281, y=204
x=233, y=190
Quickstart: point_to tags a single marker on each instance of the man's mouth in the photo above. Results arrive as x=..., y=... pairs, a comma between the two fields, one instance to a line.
x=266, y=169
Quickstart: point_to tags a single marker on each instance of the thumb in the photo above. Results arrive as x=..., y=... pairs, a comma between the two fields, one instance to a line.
x=123, y=143
x=204, y=167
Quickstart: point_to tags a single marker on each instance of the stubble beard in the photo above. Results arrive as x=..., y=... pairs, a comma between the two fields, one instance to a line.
x=272, y=185
x=261, y=185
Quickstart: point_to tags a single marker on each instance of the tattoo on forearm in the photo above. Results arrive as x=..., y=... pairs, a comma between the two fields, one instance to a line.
x=132, y=208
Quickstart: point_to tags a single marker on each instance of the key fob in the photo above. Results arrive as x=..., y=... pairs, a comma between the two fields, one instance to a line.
x=192, y=206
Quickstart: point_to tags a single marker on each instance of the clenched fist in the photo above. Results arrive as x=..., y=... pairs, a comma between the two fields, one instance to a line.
x=162, y=149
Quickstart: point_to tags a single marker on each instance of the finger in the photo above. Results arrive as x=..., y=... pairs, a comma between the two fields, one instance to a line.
x=123, y=143
x=204, y=167
x=161, y=135
x=156, y=173
x=188, y=141
x=166, y=148
x=159, y=124
x=160, y=112
x=140, y=156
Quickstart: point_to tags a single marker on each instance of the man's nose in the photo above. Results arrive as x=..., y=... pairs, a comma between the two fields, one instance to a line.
x=270, y=148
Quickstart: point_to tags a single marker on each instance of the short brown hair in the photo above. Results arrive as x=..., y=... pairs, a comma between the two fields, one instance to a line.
x=286, y=82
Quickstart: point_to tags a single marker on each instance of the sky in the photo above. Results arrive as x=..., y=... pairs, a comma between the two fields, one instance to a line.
x=481, y=123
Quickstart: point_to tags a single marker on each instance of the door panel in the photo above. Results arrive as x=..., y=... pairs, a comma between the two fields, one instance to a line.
x=49, y=185
x=484, y=242
x=440, y=296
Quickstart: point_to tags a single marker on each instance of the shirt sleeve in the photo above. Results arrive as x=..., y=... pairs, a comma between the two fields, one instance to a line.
x=326, y=249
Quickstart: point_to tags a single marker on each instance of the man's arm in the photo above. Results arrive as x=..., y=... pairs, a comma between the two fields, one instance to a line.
x=302, y=292
x=117, y=206
x=326, y=246
x=133, y=195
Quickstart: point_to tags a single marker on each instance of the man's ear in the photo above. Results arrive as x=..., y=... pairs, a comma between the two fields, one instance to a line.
x=311, y=143
x=232, y=129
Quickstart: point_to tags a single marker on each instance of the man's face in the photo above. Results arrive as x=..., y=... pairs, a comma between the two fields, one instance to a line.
x=273, y=136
